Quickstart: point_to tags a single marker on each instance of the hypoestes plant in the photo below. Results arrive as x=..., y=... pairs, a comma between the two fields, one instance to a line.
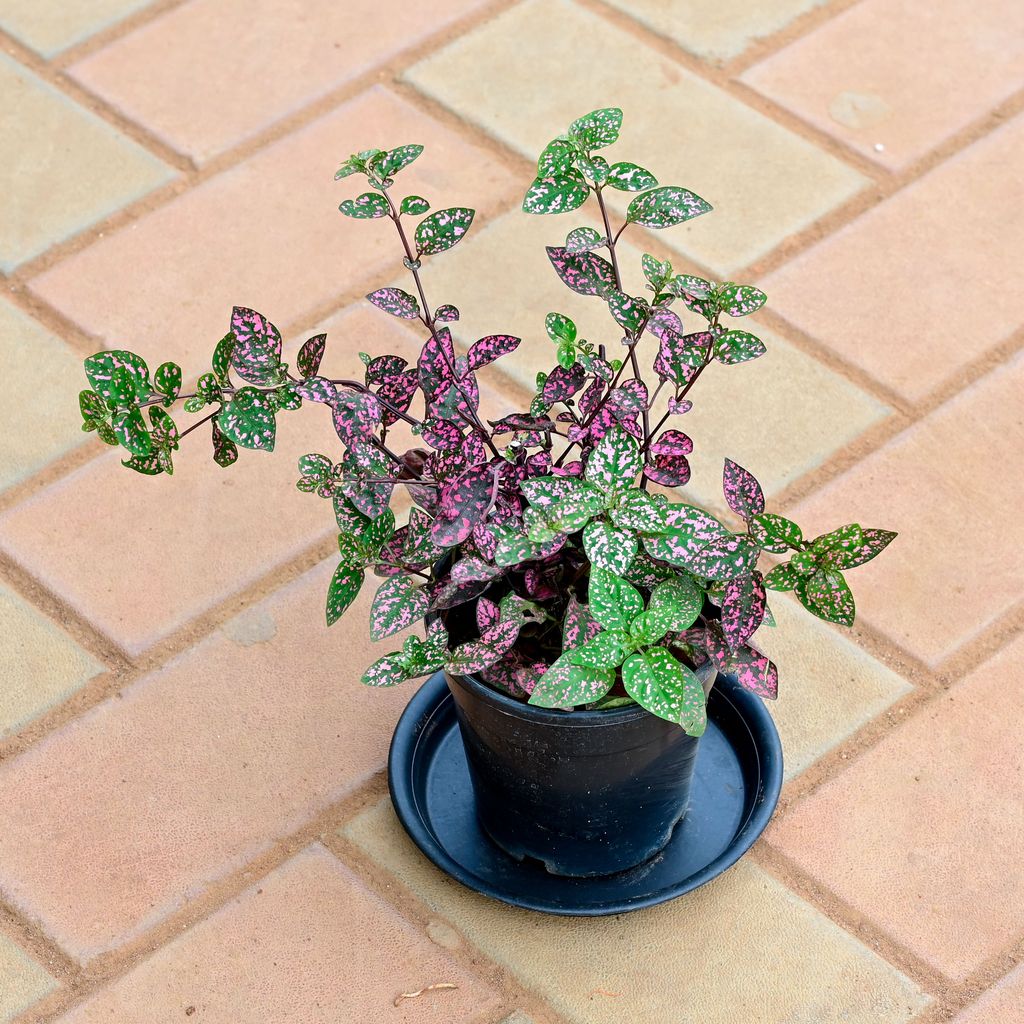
x=535, y=549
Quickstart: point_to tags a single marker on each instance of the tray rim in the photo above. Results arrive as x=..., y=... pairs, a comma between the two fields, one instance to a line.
x=429, y=701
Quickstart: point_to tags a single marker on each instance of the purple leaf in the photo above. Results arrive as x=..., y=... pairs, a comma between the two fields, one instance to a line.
x=590, y=399
x=514, y=674
x=742, y=492
x=436, y=363
x=465, y=501
x=480, y=654
x=308, y=360
x=398, y=391
x=378, y=370
x=256, y=356
x=396, y=302
x=486, y=350
x=440, y=434
x=521, y=421
x=562, y=383
x=446, y=314
x=679, y=356
x=666, y=459
x=743, y=605
x=356, y=415
x=754, y=671
x=469, y=577
x=584, y=272
x=487, y=614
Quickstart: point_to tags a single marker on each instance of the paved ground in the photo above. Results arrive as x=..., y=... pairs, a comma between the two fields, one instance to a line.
x=194, y=815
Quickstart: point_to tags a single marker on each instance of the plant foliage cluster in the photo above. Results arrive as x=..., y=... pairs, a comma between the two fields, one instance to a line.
x=535, y=551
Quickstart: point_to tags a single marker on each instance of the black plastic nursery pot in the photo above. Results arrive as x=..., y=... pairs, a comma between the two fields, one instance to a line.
x=586, y=793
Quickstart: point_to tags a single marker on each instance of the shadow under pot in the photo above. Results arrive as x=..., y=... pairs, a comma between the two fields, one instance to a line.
x=584, y=792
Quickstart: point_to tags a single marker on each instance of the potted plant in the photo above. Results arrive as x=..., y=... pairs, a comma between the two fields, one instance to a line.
x=579, y=615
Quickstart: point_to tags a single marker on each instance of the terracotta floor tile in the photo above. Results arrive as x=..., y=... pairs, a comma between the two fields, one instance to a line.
x=39, y=417
x=40, y=665
x=759, y=202
x=713, y=28
x=44, y=134
x=127, y=813
x=946, y=486
x=920, y=831
x=828, y=687
x=673, y=962
x=49, y=26
x=22, y=981
x=210, y=73
x=887, y=291
x=308, y=943
x=1000, y=1005
x=265, y=234
x=868, y=88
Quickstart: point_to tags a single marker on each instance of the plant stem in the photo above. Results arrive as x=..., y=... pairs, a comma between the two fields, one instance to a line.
x=197, y=424
x=608, y=235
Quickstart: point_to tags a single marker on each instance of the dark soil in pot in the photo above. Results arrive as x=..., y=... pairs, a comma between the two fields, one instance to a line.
x=585, y=792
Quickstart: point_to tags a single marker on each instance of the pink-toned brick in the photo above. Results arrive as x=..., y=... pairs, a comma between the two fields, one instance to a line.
x=308, y=944
x=949, y=485
x=128, y=812
x=211, y=73
x=1002, y=1004
x=856, y=78
x=924, y=830
x=915, y=290
x=265, y=234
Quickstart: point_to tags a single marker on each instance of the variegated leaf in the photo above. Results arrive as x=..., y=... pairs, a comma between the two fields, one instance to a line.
x=598, y=129
x=665, y=207
x=256, y=355
x=637, y=510
x=613, y=601
x=397, y=604
x=248, y=420
x=584, y=272
x=477, y=655
x=464, y=502
x=614, y=463
x=609, y=548
x=563, y=383
x=560, y=193
x=488, y=349
x=742, y=492
x=827, y=595
x=873, y=542
x=310, y=355
x=743, y=603
x=565, y=685
x=578, y=626
x=666, y=459
x=356, y=415
x=698, y=542
x=343, y=590
x=119, y=377
x=368, y=206
x=442, y=229
x=740, y=299
x=663, y=685
x=630, y=177
x=733, y=347
x=396, y=301
x=584, y=239
x=387, y=671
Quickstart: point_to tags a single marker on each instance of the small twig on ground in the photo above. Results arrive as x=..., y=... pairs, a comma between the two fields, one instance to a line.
x=430, y=988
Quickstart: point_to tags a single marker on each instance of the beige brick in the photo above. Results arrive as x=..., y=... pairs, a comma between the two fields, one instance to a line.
x=679, y=958
x=862, y=84
x=210, y=73
x=718, y=29
x=265, y=234
x=39, y=417
x=39, y=664
x=49, y=26
x=946, y=486
x=132, y=810
x=923, y=829
x=65, y=168
x=828, y=688
x=887, y=292
x=764, y=181
x=308, y=943
x=22, y=981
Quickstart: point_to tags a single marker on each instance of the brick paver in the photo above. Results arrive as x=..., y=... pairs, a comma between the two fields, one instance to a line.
x=65, y=168
x=50, y=26
x=863, y=161
x=886, y=292
x=773, y=185
x=265, y=59
x=22, y=981
x=641, y=967
x=305, y=944
x=871, y=90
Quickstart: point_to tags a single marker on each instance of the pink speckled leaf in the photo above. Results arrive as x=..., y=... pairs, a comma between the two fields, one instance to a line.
x=584, y=272
x=754, y=671
x=578, y=626
x=486, y=350
x=387, y=671
x=446, y=313
x=629, y=312
x=663, y=685
x=312, y=352
x=343, y=590
x=364, y=460
x=248, y=420
x=119, y=377
x=679, y=356
x=487, y=614
x=436, y=363
x=743, y=603
x=873, y=542
x=698, y=542
x=666, y=459
x=827, y=595
x=224, y=451
x=381, y=367
x=742, y=492
x=256, y=356
x=317, y=389
x=469, y=578
x=398, y=392
x=740, y=299
x=397, y=605
x=356, y=415
x=562, y=383
x=464, y=502
x=614, y=462
x=477, y=655
x=442, y=229
x=396, y=302
x=368, y=206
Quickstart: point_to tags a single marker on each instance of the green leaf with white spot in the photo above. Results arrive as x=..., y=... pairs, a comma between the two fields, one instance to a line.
x=663, y=685
x=560, y=328
x=615, y=462
x=629, y=177
x=609, y=548
x=368, y=206
x=647, y=628
x=597, y=129
x=344, y=589
x=606, y=650
x=583, y=240
x=665, y=207
x=733, y=347
x=565, y=685
x=678, y=601
x=637, y=510
x=740, y=299
x=613, y=602
x=442, y=229
x=557, y=158
x=397, y=159
x=247, y=419
x=557, y=194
